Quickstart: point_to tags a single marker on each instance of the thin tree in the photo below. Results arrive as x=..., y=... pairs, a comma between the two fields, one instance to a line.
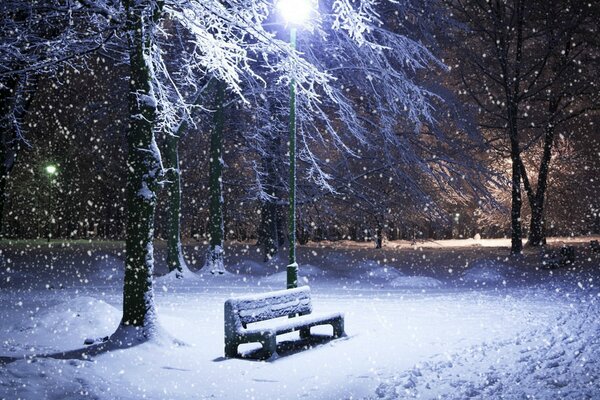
x=495, y=78
x=175, y=259
x=568, y=46
x=517, y=63
x=214, y=257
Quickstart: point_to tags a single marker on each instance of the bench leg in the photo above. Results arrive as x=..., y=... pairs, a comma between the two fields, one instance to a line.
x=304, y=333
x=338, y=328
x=231, y=349
x=269, y=344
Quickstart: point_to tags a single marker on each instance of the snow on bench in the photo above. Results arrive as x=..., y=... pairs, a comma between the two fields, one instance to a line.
x=254, y=318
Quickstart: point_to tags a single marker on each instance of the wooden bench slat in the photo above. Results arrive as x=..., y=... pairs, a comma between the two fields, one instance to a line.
x=272, y=305
x=293, y=324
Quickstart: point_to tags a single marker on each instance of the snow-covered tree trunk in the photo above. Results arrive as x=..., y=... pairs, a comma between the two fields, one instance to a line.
x=214, y=256
x=175, y=260
x=143, y=169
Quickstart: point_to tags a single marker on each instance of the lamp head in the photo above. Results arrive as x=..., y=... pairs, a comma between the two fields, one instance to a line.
x=295, y=12
x=51, y=169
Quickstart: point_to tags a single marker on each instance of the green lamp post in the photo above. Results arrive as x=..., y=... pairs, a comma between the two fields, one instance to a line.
x=295, y=12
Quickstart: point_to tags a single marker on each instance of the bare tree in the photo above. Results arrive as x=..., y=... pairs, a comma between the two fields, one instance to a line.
x=518, y=63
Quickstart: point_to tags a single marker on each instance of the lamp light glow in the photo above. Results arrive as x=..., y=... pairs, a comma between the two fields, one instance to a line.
x=51, y=169
x=295, y=12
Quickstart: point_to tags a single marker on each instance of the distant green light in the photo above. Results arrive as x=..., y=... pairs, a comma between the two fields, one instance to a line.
x=51, y=169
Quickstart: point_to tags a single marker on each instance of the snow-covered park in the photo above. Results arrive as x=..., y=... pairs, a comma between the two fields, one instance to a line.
x=299, y=199
x=451, y=319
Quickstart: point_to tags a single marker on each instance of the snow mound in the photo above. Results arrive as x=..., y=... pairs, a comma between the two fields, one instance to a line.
x=50, y=379
x=306, y=274
x=254, y=268
x=71, y=321
x=417, y=282
x=487, y=271
x=175, y=278
x=310, y=270
x=377, y=273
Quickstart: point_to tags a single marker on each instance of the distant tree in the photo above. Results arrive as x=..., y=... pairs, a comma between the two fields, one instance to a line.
x=214, y=257
x=497, y=31
x=520, y=64
x=175, y=259
x=568, y=42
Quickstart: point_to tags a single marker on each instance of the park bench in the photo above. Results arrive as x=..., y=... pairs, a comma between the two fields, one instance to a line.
x=556, y=259
x=261, y=317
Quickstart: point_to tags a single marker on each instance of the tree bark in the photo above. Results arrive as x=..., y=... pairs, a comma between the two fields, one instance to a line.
x=379, y=234
x=214, y=258
x=516, y=200
x=175, y=259
x=143, y=162
x=537, y=232
x=513, y=93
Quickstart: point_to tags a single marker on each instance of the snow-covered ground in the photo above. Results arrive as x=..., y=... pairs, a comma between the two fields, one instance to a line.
x=454, y=319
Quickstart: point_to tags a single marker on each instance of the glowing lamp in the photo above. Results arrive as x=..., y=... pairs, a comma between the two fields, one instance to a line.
x=295, y=12
x=51, y=169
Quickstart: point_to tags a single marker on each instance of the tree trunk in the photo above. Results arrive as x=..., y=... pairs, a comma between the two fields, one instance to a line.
x=143, y=162
x=515, y=153
x=537, y=232
x=516, y=200
x=379, y=234
x=214, y=257
x=3, y=182
x=175, y=259
x=272, y=229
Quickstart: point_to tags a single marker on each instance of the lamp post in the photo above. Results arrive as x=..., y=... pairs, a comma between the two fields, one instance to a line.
x=295, y=12
x=51, y=171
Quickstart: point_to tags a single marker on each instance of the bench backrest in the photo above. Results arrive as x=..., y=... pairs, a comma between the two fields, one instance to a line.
x=264, y=306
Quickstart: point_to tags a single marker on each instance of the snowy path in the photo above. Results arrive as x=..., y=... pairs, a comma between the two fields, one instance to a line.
x=559, y=360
